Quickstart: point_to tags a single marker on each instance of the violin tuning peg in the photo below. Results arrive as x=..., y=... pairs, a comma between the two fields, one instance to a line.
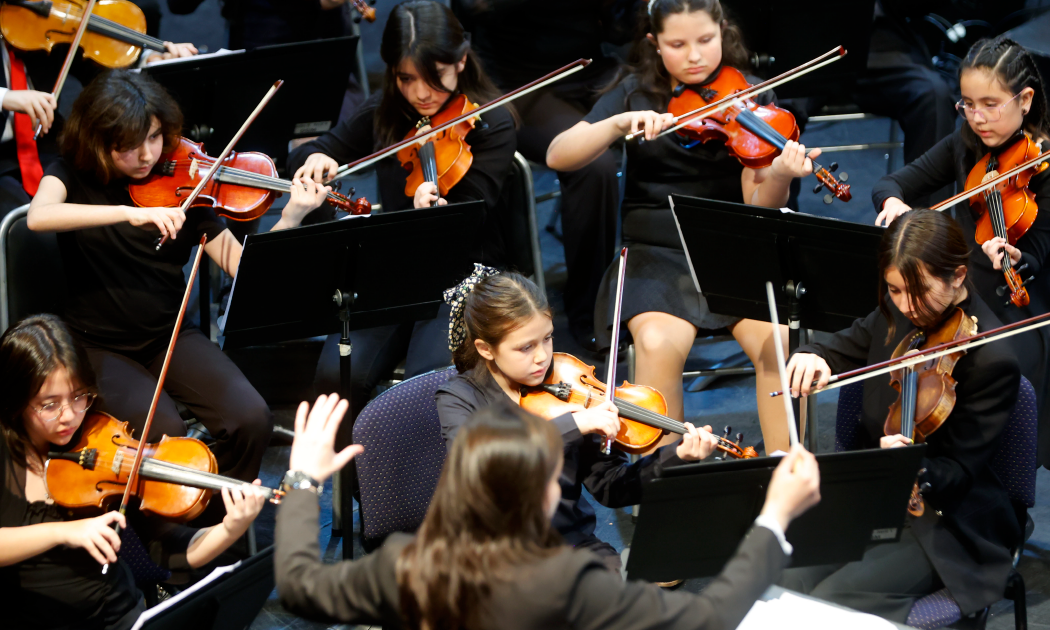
x=739, y=438
x=818, y=188
x=828, y=198
x=834, y=167
x=1022, y=268
x=843, y=176
x=728, y=430
x=1001, y=291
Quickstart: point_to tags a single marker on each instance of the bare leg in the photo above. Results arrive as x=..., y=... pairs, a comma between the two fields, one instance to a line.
x=756, y=338
x=661, y=345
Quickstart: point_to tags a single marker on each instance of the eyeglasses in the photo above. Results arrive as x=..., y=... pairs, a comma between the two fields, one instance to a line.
x=52, y=410
x=989, y=114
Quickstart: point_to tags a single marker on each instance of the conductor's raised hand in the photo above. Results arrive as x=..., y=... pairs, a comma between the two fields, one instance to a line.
x=313, y=449
x=803, y=369
x=794, y=488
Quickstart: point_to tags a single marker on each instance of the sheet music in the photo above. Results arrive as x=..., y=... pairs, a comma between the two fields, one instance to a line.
x=161, y=607
x=218, y=53
x=790, y=611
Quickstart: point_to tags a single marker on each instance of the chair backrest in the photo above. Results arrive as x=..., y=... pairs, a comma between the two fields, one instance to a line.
x=29, y=261
x=404, y=452
x=1014, y=462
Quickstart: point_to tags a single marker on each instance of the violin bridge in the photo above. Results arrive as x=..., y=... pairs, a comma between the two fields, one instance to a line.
x=194, y=165
x=118, y=460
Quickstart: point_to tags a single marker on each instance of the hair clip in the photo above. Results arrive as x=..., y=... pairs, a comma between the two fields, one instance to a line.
x=650, y=8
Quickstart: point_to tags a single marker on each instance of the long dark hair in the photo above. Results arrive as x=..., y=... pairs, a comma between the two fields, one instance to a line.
x=497, y=306
x=29, y=351
x=916, y=240
x=644, y=63
x=486, y=518
x=1014, y=67
x=114, y=113
x=427, y=33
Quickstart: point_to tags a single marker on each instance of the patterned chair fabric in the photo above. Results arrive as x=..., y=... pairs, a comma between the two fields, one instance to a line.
x=1014, y=463
x=403, y=456
x=134, y=553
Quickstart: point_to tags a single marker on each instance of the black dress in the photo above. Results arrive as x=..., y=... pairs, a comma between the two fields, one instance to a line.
x=657, y=277
x=64, y=587
x=949, y=162
x=969, y=526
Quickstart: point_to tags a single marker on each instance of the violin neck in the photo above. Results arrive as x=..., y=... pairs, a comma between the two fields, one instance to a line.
x=909, y=390
x=159, y=470
x=119, y=32
x=428, y=162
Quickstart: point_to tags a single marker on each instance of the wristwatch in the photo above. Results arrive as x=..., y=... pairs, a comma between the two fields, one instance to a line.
x=298, y=480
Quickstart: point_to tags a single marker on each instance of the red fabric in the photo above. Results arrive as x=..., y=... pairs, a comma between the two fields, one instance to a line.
x=28, y=158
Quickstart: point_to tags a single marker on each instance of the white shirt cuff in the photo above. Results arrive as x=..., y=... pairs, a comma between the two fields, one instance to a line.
x=772, y=525
x=3, y=93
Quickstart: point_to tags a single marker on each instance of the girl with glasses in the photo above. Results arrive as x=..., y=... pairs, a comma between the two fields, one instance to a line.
x=50, y=560
x=1003, y=97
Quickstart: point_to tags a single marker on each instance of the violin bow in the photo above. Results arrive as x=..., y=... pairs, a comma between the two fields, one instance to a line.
x=133, y=475
x=610, y=379
x=992, y=183
x=543, y=81
x=778, y=344
x=217, y=163
x=922, y=356
x=736, y=98
x=73, y=48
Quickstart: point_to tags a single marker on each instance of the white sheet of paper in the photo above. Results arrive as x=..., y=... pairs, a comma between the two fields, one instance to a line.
x=161, y=607
x=218, y=53
x=789, y=612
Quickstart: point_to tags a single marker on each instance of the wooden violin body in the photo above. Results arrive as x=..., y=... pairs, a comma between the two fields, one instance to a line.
x=95, y=471
x=114, y=39
x=243, y=188
x=754, y=134
x=176, y=480
x=446, y=157
x=643, y=420
x=1009, y=209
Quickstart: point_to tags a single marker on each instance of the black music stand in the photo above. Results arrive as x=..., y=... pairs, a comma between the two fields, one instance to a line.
x=341, y=276
x=232, y=600
x=864, y=499
x=217, y=93
x=825, y=270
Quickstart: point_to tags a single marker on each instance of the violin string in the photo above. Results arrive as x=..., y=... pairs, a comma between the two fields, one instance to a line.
x=249, y=175
x=107, y=26
x=103, y=461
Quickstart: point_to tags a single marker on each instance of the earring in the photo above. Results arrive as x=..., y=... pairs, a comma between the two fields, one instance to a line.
x=658, y=52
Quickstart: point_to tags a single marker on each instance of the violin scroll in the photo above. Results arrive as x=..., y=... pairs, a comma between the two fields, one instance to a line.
x=827, y=180
x=355, y=207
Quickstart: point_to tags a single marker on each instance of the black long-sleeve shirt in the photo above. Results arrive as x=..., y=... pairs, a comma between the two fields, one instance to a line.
x=492, y=143
x=969, y=542
x=611, y=479
x=572, y=589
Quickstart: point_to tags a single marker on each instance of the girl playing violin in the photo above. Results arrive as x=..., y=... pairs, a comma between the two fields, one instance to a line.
x=964, y=537
x=1002, y=98
x=428, y=61
x=686, y=42
x=50, y=560
x=123, y=294
x=486, y=555
x=503, y=333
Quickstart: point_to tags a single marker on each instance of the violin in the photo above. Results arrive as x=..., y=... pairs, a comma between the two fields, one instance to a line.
x=754, y=134
x=243, y=188
x=175, y=481
x=364, y=10
x=116, y=30
x=445, y=157
x=1008, y=209
x=926, y=392
x=643, y=421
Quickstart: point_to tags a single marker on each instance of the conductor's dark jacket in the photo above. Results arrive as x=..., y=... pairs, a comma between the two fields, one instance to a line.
x=572, y=589
x=971, y=528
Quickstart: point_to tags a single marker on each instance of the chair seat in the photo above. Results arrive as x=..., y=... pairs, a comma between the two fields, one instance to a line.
x=936, y=610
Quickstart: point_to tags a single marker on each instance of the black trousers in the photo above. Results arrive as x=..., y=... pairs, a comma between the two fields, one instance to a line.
x=202, y=378
x=590, y=197
x=377, y=351
x=886, y=582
